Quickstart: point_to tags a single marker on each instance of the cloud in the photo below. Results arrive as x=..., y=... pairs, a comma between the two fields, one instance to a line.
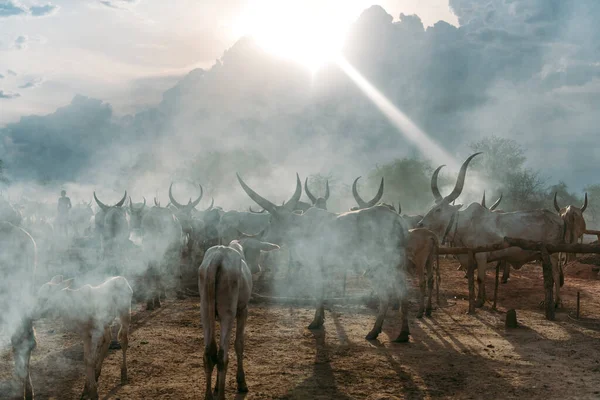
x=40, y=11
x=22, y=42
x=8, y=95
x=1, y=76
x=31, y=83
x=11, y=72
x=10, y=8
x=119, y=4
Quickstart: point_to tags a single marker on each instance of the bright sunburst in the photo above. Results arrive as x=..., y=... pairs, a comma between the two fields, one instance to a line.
x=302, y=31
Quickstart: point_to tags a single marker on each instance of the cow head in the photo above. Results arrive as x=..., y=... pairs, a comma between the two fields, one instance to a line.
x=364, y=204
x=112, y=220
x=319, y=202
x=137, y=212
x=252, y=247
x=282, y=218
x=440, y=215
x=573, y=218
x=48, y=295
x=185, y=209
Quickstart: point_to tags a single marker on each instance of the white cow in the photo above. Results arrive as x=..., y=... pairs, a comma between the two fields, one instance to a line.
x=225, y=284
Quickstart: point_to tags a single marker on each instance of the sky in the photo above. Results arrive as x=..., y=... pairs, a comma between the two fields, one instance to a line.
x=110, y=86
x=128, y=52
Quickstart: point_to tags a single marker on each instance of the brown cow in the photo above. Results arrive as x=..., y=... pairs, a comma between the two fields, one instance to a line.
x=421, y=249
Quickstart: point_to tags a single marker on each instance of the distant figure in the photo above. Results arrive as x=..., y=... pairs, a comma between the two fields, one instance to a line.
x=62, y=219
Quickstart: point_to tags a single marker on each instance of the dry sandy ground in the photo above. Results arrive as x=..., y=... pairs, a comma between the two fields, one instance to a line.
x=450, y=355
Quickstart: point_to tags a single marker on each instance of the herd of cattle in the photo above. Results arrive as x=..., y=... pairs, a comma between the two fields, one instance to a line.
x=224, y=248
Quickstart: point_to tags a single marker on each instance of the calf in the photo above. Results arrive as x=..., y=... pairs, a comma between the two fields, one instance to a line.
x=421, y=248
x=90, y=310
x=225, y=284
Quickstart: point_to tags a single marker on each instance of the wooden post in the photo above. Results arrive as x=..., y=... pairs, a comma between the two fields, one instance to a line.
x=496, y=283
x=471, y=273
x=577, y=314
x=548, y=283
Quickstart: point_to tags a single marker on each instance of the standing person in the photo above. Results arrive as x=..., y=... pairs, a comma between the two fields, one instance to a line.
x=62, y=219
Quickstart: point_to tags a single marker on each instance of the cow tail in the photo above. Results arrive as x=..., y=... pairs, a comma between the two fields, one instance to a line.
x=210, y=288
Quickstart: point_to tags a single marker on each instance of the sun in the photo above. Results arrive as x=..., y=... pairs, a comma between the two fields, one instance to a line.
x=302, y=31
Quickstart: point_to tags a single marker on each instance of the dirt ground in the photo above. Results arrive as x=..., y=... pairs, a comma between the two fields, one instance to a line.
x=450, y=355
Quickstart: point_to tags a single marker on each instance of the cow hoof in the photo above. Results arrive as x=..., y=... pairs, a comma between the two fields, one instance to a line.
x=420, y=314
x=114, y=345
x=242, y=388
x=479, y=303
x=557, y=304
x=428, y=312
x=372, y=335
x=504, y=281
x=403, y=337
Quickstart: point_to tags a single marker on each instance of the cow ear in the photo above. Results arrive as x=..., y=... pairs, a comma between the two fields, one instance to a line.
x=264, y=246
x=457, y=207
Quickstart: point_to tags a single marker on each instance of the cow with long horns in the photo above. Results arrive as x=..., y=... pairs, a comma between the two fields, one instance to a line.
x=477, y=226
x=112, y=224
x=319, y=202
x=371, y=241
x=574, y=221
x=184, y=214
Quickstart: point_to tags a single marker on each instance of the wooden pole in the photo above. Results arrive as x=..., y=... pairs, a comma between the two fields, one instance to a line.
x=548, y=283
x=553, y=247
x=496, y=283
x=577, y=315
x=471, y=273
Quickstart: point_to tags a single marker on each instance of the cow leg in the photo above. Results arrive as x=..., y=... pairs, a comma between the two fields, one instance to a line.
x=384, y=301
x=422, y=284
x=430, y=281
x=557, y=275
x=319, y=318
x=481, y=260
x=404, y=335
x=102, y=350
x=90, y=344
x=223, y=353
x=505, y=272
x=123, y=337
x=23, y=342
x=210, y=360
x=242, y=316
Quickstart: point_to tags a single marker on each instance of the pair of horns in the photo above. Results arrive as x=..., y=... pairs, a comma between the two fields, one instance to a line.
x=267, y=205
x=364, y=204
x=104, y=207
x=458, y=187
x=495, y=205
x=190, y=204
x=312, y=197
x=585, y=203
x=136, y=209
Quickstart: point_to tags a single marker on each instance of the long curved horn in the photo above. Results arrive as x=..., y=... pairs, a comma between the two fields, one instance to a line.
x=312, y=198
x=156, y=202
x=556, y=207
x=361, y=203
x=122, y=201
x=293, y=202
x=130, y=203
x=483, y=200
x=497, y=203
x=584, y=203
x=460, y=182
x=256, y=212
x=102, y=206
x=326, y=190
x=212, y=203
x=133, y=208
x=258, y=199
x=378, y=196
x=244, y=235
x=434, y=184
x=399, y=208
x=173, y=201
x=197, y=201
